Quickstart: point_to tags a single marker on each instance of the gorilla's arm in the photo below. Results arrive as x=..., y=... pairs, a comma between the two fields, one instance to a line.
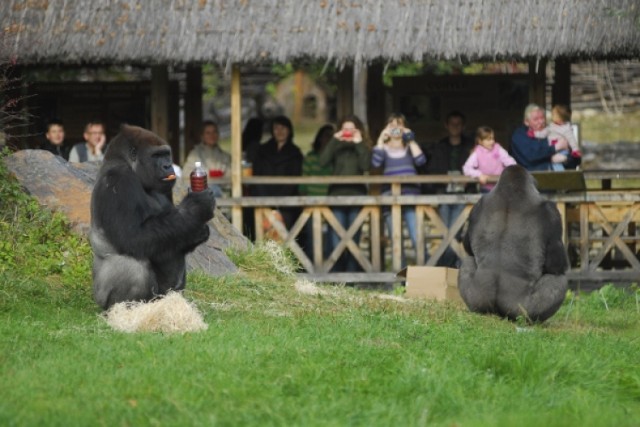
x=556, y=260
x=473, y=220
x=146, y=225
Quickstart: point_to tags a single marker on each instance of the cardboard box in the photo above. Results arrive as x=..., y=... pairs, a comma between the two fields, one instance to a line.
x=439, y=283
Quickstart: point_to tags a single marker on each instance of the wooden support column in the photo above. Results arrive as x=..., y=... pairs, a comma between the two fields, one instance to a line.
x=160, y=101
x=345, y=92
x=561, y=92
x=236, y=146
x=298, y=90
x=360, y=95
x=192, y=109
x=537, y=81
x=376, y=114
x=396, y=230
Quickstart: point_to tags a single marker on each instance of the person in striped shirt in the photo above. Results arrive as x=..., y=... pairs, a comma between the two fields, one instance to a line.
x=397, y=153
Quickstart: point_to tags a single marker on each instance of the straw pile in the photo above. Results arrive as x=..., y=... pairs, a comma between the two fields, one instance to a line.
x=306, y=287
x=169, y=314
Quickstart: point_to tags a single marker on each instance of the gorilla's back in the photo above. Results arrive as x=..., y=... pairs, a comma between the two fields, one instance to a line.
x=509, y=235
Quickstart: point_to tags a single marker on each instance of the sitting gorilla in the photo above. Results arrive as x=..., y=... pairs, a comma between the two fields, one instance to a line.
x=138, y=236
x=517, y=260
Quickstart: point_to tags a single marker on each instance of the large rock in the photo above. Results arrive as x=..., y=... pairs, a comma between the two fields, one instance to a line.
x=66, y=187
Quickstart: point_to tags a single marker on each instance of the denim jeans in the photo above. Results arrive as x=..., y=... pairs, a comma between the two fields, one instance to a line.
x=449, y=214
x=346, y=216
x=409, y=218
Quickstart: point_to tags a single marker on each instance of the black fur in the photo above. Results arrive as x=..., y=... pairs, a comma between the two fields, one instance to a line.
x=138, y=236
x=517, y=261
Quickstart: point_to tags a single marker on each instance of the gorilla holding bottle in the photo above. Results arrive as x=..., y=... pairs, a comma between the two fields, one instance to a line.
x=139, y=238
x=517, y=261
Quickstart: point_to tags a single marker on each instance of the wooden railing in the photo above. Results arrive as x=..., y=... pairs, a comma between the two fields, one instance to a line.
x=599, y=225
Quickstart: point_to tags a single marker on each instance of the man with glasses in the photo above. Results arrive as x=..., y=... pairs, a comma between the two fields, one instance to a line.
x=92, y=149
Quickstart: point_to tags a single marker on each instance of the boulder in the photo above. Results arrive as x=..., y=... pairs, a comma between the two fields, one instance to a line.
x=66, y=187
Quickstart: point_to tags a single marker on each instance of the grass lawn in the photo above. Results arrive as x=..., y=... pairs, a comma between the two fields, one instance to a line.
x=273, y=355
x=607, y=128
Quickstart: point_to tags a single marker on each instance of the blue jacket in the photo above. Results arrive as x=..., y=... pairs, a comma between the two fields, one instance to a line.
x=531, y=153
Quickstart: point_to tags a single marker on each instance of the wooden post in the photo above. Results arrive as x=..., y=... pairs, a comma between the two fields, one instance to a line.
x=345, y=92
x=160, y=101
x=236, y=145
x=298, y=90
x=360, y=95
x=396, y=230
x=192, y=109
x=561, y=91
x=537, y=81
x=376, y=114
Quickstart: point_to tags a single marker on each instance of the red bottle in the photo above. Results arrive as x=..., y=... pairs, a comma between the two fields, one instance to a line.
x=198, y=178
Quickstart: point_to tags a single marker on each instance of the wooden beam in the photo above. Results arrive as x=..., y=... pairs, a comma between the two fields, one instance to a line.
x=298, y=92
x=160, y=101
x=236, y=145
x=537, y=81
x=192, y=109
x=345, y=92
x=561, y=90
x=376, y=114
x=360, y=95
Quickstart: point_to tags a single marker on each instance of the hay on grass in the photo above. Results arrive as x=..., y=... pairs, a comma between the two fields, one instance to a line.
x=169, y=314
x=306, y=287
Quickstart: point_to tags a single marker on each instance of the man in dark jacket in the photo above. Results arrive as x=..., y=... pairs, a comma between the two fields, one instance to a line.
x=447, y=157
x=55, y=139
x=535, y=154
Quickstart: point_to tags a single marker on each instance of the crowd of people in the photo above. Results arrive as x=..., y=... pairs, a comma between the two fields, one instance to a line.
x=348, y=150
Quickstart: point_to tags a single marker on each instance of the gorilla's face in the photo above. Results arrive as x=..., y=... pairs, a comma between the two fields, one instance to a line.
x=154, y=167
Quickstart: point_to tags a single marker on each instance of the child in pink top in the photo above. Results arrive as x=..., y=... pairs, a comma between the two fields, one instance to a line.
x=488, y=158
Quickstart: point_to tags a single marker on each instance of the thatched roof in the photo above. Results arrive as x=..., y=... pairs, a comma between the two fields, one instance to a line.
x=227, y=31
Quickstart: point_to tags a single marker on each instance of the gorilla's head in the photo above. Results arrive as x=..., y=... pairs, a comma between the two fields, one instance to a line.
x=516, y=180
x=146, y=154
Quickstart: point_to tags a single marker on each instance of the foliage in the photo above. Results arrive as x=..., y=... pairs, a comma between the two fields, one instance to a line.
x=212, y=82
x=322, y=73
x=441, y=68
x=38, y=242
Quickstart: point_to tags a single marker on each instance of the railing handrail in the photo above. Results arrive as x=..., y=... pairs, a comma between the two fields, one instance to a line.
x=422, y=199
x=408, y=179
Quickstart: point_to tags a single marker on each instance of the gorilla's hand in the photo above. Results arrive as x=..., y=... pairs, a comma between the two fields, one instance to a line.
x=199, y=238
x=199, y=204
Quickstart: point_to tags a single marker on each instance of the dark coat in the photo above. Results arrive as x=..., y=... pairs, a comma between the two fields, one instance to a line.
x=439, y=161
x=57, y=150
x=530, y=152
x=270, y=161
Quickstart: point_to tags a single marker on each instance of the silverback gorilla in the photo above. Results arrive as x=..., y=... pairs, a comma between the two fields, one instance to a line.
x=138, y=236
x=517, y=261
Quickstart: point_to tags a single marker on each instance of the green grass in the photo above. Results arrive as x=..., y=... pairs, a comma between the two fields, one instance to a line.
x=275, y=356
x=607, y=128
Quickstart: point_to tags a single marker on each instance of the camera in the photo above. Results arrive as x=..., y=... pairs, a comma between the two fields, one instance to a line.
x=395, y=132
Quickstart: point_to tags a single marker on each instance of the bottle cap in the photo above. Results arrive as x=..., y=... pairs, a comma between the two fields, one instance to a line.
x=198, y=164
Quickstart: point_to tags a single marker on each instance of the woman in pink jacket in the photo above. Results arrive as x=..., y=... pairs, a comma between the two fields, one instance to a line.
x=488, y=158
